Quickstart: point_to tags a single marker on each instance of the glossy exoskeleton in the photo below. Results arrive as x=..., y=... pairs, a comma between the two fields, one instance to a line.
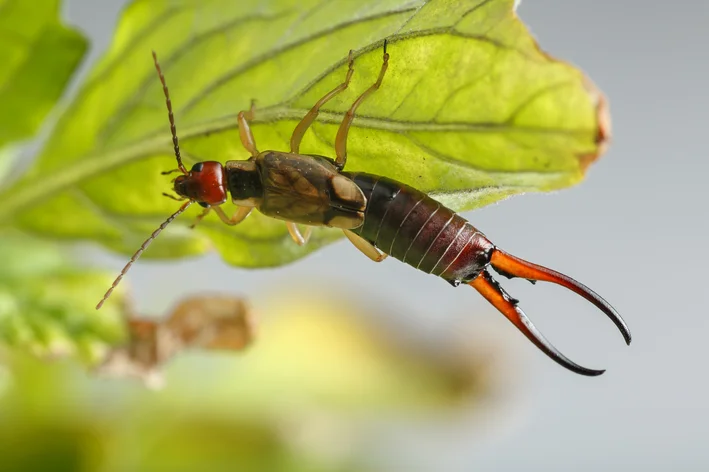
x=379, y=215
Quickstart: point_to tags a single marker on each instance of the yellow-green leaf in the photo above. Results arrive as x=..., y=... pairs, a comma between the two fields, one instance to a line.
x=470, y=111
x=38, y=56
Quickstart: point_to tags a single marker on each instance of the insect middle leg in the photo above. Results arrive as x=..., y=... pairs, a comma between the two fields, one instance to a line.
x=365, y=246
x=341, y=138
x=299, y=238
x=200, y=217
x=247, y=137
x=308, y=119
x=238, y=216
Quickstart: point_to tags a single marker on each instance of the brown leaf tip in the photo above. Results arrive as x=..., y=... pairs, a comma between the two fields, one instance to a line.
x=603, y=124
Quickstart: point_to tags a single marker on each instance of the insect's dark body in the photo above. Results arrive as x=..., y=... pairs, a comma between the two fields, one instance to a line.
x=414, y=228
x=400, y=220
x=302, y=188
x=382, y=216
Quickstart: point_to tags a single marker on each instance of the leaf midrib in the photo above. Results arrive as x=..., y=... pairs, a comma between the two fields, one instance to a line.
x=17, y=198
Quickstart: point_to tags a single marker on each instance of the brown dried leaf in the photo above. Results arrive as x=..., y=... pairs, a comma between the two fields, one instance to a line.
x=203, y=322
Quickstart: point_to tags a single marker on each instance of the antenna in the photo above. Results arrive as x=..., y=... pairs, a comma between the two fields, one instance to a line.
x=140, y=251
x=170, y=115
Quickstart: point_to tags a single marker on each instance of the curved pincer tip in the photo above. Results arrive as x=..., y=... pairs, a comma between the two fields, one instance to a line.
x=512, y=266
x=493, y=293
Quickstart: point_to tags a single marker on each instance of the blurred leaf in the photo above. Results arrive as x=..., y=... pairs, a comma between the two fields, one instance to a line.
x=330, y=359
x=45, y=307
x=470, y=110
x=218, y=445
x=319, y=380
x=71, y=447
x=52, y=419
x=38, y=56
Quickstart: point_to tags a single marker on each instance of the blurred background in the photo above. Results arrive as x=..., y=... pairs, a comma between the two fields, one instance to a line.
x=481, y=397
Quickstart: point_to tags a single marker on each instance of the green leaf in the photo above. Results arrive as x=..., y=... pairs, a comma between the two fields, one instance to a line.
x=470, y=111
x=46, y=307
x=38, y=56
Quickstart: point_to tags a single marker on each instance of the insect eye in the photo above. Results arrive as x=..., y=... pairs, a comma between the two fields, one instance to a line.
x=203, y=204
x=198, y=167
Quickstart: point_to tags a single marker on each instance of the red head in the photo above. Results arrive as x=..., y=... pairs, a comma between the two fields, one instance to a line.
x=204, y=184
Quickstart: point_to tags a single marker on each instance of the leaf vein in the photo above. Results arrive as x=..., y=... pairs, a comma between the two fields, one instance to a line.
x=238, y=71
x=130, y=105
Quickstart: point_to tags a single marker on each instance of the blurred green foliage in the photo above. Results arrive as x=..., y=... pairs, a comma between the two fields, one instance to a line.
x=296, y=401
x=46, y=305
x=46, y=425
x=470, y=110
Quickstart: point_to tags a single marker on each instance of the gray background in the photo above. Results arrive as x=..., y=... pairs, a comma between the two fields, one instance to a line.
x=635, y=230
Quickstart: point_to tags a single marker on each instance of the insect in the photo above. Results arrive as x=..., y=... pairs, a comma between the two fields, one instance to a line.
x=379, y=215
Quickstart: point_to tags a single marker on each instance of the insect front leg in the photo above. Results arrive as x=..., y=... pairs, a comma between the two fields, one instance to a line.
x=365, y=246
x=200, y=217
x=299, y=238
x=341, y=138
x=239, y=215
x=247, y=137
x=308, y=119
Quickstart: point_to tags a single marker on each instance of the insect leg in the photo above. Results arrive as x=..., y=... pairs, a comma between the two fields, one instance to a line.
x=299, y=238
x=341, y=138
x=308, y=119
x=247, y=137
x=365, y=246
x=200, y=217
x=239, y=215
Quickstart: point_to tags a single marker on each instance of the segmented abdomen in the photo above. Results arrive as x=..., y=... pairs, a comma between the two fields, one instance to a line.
x=410, y=226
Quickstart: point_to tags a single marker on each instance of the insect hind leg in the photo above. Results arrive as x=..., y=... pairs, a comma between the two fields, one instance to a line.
x=342, y=132
x=299, y=238
x=367, y=248
x=310, y=117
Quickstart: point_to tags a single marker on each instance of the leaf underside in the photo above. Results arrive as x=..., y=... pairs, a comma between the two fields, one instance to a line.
x=470, y=110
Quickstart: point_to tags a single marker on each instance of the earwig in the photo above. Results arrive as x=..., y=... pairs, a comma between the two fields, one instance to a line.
x=380, y=216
